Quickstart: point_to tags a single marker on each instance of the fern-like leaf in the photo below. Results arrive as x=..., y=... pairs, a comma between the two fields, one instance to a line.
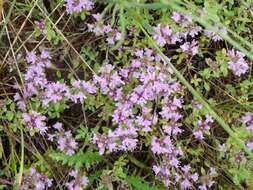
x=139, y=183
x=78, y=160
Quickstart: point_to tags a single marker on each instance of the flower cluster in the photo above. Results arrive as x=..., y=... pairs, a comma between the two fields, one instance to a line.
x=186, y=177
x=35, y=181
x=78, y=183
x=248, y=121
x=190, y=47
x=41, y=26
x=179, y=18
x=162, y=35
x=153, y=86
x=99, y=28
x=64, y=139
x=82, y=88
x=237, y=63
x=153, y=79
x=36, y=86
x=35, y=77
x=54, y=92
x=203, y=127
x=213, y=35
x=76, y=6
x=126, y=136
x=35, y=120
x=207, y=180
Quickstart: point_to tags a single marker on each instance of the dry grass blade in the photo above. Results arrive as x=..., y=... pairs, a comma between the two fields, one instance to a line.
x=68, y=42
x=1, y=9
x=18, y=33
x=7, y=17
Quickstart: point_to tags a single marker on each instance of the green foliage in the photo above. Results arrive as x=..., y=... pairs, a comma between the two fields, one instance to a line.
x=140, y=184
x=54, y=110
x=217, y=68
x=78, y=160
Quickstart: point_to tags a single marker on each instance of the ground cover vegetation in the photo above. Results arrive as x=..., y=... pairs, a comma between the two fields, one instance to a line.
x=126, y=94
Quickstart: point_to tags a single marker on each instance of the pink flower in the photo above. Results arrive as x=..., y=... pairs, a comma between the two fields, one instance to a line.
x=162, y=35
x=190, y=47
x=194, y=31
x=213, y=35
x=161, y=146
x=34, y=180
x=35, y=120
x=179, y=18
x=250, y=144
x=66, y=142
x=203, y=126
x=186, y=184
x=31, y=57
x=78, y=183
x=41, y=26
x=76, y=6
x=97, y=16
x=248, y=120
x=237, y=62
x=45, y=54
x=129, y=144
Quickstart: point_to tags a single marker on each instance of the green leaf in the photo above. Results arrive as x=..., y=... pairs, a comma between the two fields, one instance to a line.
x=78, y=160
x=139, y=183
x=9, y=116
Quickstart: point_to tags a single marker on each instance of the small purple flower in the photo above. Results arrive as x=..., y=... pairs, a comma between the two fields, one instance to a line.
x=186, y=178
x=67, y=143
x=237, y=62
x=76, y=6
x=203, y=127
x=20, y=102
x=35, y=181
x=97, y=16
x=65, y=140
x=79, y=182
x=129, y=144
x=186, y=184
x=194, y=31
x=103, y=142
x=172, y=128
x=198, y=135
x=57, y=126
x=31, y=57
x=161, y=146
x=82, y=88
x=190, y=47
x=250, y=144
x=35, y=120
x=248, y=120
x=45, y=54
x=179, y=18
x=54, y=92
x=162, y=35
x=213, y=35
x=41, y=26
